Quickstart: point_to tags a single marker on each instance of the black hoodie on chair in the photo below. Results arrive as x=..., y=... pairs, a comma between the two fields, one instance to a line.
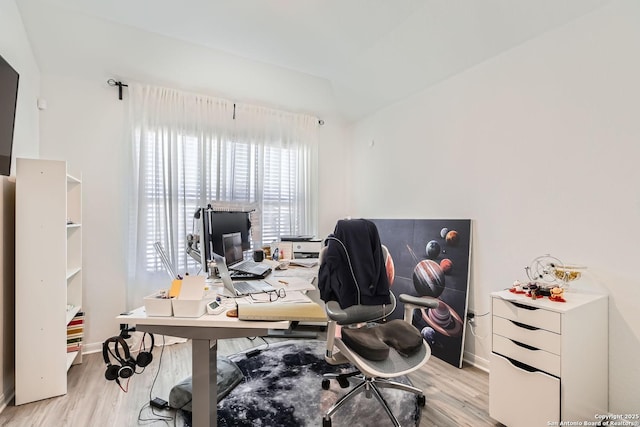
x=353, y=263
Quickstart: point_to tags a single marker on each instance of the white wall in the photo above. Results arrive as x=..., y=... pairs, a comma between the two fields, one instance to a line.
x=539, y=146
x=15, y=49
x=85, y=125
x=335, y=176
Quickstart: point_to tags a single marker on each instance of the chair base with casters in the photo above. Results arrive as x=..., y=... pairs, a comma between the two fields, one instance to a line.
x=371, y=386
x=372, y=375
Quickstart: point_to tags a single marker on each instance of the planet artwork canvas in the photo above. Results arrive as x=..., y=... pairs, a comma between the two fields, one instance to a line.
x=431, y=258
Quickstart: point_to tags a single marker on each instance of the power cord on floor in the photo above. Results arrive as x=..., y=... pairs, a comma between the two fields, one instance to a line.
x=157, y=402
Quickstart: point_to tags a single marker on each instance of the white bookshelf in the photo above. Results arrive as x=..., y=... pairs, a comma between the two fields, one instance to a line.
x=48, y=276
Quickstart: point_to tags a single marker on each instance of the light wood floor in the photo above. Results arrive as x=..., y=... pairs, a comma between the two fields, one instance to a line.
x=455, y=397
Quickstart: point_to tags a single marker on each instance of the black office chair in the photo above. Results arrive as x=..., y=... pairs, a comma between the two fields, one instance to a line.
x=354, y=284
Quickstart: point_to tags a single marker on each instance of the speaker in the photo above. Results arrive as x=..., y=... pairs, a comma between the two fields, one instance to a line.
x=123, y=366
x=145, y=357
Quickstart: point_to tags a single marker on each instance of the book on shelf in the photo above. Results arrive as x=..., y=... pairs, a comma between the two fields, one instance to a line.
x=75, y=322
x=79, y=315
x=78, y=319
x=75, y=332
x=72, y=348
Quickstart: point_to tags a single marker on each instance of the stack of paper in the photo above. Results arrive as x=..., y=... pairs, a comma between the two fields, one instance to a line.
x=295, y=307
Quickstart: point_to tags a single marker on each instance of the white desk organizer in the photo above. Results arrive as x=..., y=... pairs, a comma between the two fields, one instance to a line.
x=191, y=301
x=158, y=305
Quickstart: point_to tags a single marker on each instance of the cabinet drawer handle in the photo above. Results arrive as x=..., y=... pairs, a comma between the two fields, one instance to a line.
x=521, y=365
x=526, y=307
x=523, y=345
x=524, y=366
x=522, y=325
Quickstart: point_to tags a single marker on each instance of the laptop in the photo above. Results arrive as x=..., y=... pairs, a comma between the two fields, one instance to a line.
x=234, y=255
x=238, y=288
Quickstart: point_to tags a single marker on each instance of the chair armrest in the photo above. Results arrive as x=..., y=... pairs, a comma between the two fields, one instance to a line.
x=334, y=312
x=425, y=302
x=357, y=313
x=413, y=303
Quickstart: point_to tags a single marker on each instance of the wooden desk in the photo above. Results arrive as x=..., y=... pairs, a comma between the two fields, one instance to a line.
x=204, y=332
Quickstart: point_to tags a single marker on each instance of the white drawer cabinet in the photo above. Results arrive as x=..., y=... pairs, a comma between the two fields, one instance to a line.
x=549, y=360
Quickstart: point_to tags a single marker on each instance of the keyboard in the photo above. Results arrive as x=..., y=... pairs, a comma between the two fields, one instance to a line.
x=240, y=275
x=244, y=287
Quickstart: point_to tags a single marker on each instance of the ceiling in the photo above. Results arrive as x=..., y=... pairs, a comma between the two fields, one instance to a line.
x=372, y=52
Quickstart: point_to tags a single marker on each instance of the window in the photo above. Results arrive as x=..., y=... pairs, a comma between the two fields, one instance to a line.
x=189, y=151
x=224, y=174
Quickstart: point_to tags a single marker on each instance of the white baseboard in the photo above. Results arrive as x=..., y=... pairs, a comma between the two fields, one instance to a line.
x=478, y=362
x=92, y=348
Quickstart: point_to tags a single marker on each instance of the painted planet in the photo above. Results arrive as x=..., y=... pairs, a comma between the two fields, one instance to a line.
x=428, y=278
x=443, y=232
x=391, y=269
x=452, y=238
x=429, y=334
x=433, y=249
x=446, y=265
x=443, y=320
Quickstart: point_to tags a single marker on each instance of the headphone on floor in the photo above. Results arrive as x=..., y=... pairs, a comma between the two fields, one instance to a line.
x=124, y=365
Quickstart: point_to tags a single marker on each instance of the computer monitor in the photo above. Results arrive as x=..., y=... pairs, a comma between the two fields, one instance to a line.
x=213, y=225
x=223, y=222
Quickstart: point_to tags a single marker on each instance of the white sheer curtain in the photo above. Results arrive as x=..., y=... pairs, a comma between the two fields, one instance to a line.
x=190, y=150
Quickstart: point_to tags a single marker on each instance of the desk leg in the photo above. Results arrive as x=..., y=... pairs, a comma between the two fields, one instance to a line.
x=204, y=382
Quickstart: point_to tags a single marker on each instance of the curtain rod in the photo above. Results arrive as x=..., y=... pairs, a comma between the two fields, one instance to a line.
x=112, y=82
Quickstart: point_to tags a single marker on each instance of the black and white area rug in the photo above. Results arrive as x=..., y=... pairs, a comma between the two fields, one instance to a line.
x=282, y=387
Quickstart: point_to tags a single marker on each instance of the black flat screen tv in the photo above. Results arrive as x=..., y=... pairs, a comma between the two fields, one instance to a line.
x=8, y=98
